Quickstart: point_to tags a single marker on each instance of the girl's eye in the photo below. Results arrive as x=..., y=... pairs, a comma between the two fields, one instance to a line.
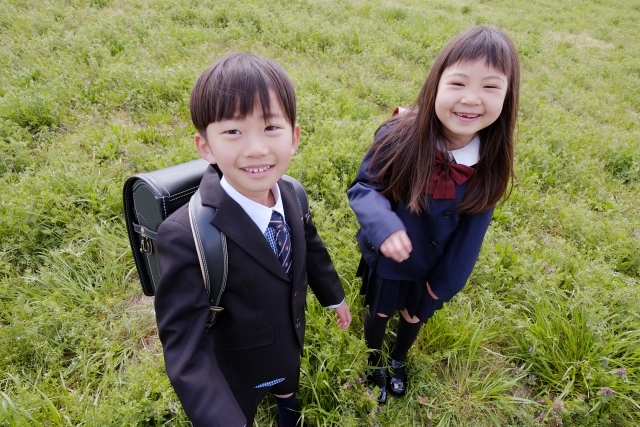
x=232, y=132
x=271, y=127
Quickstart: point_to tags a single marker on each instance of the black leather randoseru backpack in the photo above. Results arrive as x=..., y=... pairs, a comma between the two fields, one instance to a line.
x=149, y=198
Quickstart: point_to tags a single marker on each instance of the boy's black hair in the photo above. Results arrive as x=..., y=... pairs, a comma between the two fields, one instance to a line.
x=235, y=85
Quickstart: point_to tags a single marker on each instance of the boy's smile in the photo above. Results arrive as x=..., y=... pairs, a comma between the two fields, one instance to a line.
x=252, y=152
x=470, y=98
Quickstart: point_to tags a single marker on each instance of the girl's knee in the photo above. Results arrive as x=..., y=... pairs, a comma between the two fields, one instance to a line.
x=381, y=315
x=407, y=317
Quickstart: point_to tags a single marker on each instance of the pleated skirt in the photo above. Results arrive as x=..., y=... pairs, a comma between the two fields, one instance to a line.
x=388, y=296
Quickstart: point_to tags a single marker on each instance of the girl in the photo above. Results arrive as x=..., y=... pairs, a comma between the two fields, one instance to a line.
x=426, y=190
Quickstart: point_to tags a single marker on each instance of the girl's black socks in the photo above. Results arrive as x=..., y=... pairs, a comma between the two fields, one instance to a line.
x=374, y=329
x=406, y=336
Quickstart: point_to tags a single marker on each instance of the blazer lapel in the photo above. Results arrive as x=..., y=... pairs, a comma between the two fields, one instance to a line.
x=295, y=222
x=234, y=222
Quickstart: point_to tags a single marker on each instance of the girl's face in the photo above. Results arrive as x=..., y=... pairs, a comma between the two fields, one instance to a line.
x=470, y=97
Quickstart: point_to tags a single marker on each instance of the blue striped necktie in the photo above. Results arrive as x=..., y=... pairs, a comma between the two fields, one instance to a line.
x=283, y=241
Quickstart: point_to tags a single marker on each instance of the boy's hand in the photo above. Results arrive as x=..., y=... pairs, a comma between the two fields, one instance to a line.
x=397, y=246
x=343, y=314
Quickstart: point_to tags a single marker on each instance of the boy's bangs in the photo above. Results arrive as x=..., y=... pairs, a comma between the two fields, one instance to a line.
x=238, y=85
x=241, y=97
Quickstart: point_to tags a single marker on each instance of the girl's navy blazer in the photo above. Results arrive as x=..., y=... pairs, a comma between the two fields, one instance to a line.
x=259, y=336
x=445, y=244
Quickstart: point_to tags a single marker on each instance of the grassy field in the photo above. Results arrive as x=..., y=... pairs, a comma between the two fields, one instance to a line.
x=547, y=332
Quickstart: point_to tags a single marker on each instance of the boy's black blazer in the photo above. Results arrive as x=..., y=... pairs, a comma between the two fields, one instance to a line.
x=259, y=336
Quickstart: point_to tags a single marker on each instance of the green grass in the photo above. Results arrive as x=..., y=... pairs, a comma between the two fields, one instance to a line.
x=92, y=92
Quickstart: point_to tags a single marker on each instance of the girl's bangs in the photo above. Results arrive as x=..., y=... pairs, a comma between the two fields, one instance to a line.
x=490, y=47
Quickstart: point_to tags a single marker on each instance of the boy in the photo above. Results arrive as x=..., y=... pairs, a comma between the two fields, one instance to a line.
x=244, y=110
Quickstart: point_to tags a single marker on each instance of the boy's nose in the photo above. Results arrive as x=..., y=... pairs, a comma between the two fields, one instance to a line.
x=255, y=147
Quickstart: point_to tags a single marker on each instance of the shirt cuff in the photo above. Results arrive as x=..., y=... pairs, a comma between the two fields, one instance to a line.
x=336, y=305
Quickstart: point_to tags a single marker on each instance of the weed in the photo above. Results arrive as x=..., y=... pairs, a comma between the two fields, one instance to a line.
x=546, y=331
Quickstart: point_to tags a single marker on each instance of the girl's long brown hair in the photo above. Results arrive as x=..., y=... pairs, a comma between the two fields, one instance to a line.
x=404, y=158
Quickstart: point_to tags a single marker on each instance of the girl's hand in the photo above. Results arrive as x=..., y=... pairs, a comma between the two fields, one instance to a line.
x=397, y=246
x=431, y=292
x=343, y=314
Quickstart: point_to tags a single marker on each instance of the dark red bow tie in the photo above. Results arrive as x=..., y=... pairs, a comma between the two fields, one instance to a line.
x=445, y=174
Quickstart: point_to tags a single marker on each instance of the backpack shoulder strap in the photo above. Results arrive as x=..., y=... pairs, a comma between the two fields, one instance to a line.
x=301, y=195
x=211, y=246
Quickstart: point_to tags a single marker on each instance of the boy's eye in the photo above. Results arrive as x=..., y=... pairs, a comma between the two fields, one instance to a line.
x=232, y=132
x=271, y=127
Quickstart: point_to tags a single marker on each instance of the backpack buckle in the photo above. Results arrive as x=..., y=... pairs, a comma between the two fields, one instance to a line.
x=146, y=246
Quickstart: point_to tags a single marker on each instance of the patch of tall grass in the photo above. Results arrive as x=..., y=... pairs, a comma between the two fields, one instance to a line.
x=91, y=92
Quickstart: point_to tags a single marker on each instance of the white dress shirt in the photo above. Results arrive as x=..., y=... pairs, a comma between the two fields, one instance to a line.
x=259, y=214
x=467, y=155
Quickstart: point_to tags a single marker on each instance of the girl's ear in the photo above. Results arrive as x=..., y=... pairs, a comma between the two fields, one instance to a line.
x=296, y=139
x=203, y=148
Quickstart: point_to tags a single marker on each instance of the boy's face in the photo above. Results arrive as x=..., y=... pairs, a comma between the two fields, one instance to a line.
x=253, y=153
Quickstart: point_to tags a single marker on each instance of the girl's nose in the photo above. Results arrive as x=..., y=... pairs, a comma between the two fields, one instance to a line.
x=470, y=98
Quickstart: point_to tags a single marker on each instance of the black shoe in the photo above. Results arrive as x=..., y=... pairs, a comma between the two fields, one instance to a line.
x=397, y=377
x=378, y=378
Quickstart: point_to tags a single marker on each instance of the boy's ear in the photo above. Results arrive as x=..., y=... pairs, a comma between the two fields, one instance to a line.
x=296, y=139
x=203, y=148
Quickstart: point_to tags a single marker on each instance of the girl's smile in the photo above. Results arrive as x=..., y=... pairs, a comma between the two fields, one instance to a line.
x=467, y=117
x=470, y=98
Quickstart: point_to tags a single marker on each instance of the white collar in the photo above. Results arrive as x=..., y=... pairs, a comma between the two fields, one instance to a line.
x=468, y=155
x=260, y=214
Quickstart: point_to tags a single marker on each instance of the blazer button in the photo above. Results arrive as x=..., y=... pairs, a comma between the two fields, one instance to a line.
x=433, y=244
x=297, y=323
x=446, y=214
x=295, y=294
